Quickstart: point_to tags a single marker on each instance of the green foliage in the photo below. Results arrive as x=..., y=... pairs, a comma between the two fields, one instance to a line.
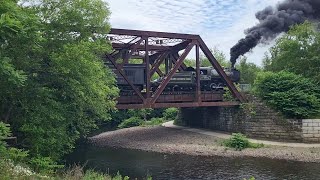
x=293, y=95
x=237, y=141
x=4, y=131
x=131, y=122
x=119, y=177
x=204, y=62
x=10, y=171
x=220, y=57
x=248, y=71
x=248, y=108
x=149, y=116
x=44, y=165
x=154, y=122
x=251, y=178
x=297, y=52
x=170, y=114
x=141, y=113
x=54, y=87
x=14, y=154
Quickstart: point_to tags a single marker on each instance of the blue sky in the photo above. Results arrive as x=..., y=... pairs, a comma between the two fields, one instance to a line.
x=220, y=23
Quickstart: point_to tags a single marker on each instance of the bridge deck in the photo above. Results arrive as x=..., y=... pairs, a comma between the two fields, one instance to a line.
x=176, y=99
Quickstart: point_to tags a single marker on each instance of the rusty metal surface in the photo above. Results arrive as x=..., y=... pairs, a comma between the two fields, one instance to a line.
x=179, y=105
x=220, y=71
x=198, y=90
x=124, y=76
x=157, y=63
x=173, y=98
x=152, y=34
x=147, y=62
x=170, y=74
x=154, y=49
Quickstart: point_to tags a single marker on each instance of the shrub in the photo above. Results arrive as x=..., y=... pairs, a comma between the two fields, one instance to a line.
x=237, y=141
x=291, y=94
x=131, y=122
x=154, y=122
x=44, y=165
x=4, y=133
x=14, y=154
x=170, y=114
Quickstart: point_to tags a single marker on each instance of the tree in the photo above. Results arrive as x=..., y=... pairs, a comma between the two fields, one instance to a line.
x=220, y=57
x=248, y=71
x=297, y=52
x=55, y=84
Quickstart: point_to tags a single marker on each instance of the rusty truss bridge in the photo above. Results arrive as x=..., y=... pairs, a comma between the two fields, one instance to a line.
x=154, y=49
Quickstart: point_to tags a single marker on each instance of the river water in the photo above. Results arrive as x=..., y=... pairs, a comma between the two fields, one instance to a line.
x=137, y=164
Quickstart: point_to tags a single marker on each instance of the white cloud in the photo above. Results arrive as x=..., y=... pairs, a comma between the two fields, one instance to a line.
x=220, y=23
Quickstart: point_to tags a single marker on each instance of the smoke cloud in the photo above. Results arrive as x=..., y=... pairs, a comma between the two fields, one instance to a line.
x=273, y=21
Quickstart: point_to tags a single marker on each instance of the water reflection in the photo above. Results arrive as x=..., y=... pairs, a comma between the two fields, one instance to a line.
x=137, y=164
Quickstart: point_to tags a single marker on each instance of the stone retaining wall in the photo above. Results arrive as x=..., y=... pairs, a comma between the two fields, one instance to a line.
x=255, y=120
x=311, y=130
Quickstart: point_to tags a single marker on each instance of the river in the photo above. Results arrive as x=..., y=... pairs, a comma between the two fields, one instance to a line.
x=137, y=164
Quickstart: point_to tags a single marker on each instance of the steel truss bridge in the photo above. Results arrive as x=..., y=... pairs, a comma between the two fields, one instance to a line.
x=170, y=49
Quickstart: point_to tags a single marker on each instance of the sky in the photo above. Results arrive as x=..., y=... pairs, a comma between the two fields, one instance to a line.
x=220, y=23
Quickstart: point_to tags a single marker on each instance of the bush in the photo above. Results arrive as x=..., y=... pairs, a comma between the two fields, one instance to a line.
x=44, y=165
x=4, y=133
x=154, y=122
x=237, y=141
x=170, y=114
x=291, y=94
x=14, y=154
x=131, y=122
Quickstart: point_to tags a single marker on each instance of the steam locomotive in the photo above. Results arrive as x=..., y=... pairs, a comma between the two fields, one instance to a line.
x=181, y=81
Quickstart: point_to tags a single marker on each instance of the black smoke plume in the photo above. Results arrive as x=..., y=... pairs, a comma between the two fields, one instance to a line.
x=275, y=20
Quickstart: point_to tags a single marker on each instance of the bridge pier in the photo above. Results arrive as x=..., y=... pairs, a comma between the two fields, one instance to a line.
x=216, y=118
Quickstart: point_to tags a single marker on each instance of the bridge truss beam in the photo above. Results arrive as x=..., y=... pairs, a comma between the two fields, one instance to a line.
x=154, y=49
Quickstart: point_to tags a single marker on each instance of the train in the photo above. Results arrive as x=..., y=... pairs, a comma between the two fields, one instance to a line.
x=183, y=81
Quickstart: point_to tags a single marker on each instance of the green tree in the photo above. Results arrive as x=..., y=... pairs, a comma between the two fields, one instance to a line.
x=248, y=71
x=220, y=57
x=54, y=86
x=297, y=52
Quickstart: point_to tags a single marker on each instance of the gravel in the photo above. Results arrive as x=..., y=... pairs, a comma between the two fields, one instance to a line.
x=167, y=140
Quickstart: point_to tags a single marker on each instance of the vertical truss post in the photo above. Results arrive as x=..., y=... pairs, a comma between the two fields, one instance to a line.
x=198, y=91
x=166, y=80
x=166, y=62
x=170, y=63
x=147, y=67
x=133, y=48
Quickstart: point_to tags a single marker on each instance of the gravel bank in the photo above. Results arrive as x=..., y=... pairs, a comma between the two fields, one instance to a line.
x=167, y=140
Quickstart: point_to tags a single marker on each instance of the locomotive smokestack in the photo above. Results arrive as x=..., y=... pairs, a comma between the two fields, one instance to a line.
x=273, y=21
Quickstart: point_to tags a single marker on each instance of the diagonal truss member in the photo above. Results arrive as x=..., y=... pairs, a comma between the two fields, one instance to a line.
x=155, y=48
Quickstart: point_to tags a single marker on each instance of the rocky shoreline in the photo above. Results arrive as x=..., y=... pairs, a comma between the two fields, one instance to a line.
x=167, y=140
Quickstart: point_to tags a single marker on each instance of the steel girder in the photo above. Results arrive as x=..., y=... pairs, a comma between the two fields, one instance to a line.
x=154, y=48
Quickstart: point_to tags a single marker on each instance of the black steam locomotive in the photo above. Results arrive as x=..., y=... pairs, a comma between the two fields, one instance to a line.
x=181, y=81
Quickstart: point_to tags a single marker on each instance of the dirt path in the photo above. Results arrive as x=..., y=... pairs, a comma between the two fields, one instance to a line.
x=169, y=140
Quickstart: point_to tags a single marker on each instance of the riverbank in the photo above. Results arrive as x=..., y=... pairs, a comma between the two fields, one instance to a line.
x=171, y=140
